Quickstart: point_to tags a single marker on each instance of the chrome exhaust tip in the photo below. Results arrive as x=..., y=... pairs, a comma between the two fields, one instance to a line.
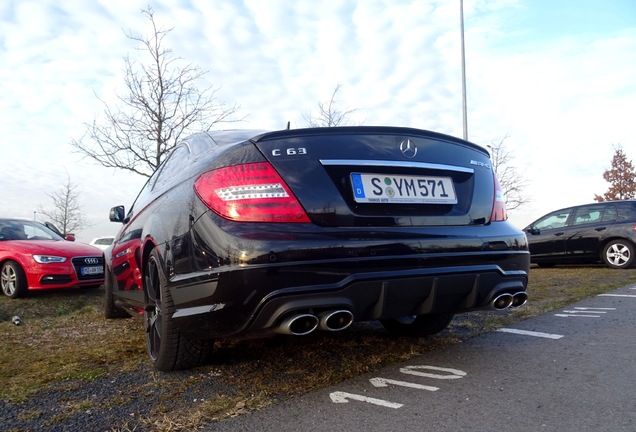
x=335, y=320
x=298, y=325
x=502, y=301
x=519, y=299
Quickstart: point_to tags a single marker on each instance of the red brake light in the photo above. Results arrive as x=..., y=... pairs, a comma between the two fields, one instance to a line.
x=251, y=192
x=499, y=205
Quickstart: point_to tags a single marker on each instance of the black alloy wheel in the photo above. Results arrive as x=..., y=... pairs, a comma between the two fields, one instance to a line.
x=168, y=348
x=417, y=325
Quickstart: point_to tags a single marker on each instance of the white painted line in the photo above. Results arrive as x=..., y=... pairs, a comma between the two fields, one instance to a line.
x=594, y=308
x=531, y=333
x=579, y=312
x=415, y=370
x=577, y=316
x=617, y=295
x=342, y=397
x=383, y=382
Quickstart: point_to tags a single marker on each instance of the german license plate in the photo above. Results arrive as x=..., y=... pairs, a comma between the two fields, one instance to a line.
x=401, y=189
x=95, y=270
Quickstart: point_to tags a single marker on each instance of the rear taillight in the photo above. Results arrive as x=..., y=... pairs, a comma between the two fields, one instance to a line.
x=251, y=192
x=499, y=205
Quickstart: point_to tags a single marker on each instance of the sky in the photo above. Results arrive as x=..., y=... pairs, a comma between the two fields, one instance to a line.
x=554, y=78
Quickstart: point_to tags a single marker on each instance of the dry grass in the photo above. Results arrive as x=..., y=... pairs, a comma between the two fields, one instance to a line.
x=67, y=341
x=63, y=336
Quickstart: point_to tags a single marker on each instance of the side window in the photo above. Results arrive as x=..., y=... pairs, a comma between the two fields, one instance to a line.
x=143, y=198
x=626, y=212
x=162, y=176
x=172, y=166
x=588, y=214
x=557, y=219
x=610, y=214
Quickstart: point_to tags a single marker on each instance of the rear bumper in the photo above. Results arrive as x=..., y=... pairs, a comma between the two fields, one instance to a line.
x=228, y=279
x=374, y=296
x=243, y=301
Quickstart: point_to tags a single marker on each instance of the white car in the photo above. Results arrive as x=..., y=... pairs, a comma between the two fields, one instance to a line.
x=102, y=242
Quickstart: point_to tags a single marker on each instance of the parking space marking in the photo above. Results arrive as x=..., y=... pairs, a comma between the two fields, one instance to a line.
x=343, y=397
x=384, y=382
x=415, y=370
x=530, y=333
x=565, y=315
x=617, y=295
x=584, y=312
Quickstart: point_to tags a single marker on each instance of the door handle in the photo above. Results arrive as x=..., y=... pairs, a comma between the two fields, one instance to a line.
x=600, y=229
x=559, y=234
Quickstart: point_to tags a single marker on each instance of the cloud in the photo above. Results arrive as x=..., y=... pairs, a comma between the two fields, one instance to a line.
x=564, y=98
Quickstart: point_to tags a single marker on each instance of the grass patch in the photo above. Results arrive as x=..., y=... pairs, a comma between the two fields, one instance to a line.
x=62, y=337
x=68, y=342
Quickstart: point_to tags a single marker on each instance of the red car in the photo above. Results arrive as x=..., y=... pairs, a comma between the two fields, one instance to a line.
x=34, y=257
x=125, y=261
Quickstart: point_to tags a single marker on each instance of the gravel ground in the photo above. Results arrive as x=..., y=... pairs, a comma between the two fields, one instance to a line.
x=121, y=402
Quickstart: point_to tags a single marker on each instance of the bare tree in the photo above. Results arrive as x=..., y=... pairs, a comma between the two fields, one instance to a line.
x=512, y=183
x=162, y=106
x=621, y=178
x=328, y=114
x=66, y=214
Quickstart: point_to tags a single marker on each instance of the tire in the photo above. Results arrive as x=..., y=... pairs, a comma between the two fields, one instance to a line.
x=167, y=347
x=111, y=310
x=619, y=254
x=13, y=281
x=420, y=325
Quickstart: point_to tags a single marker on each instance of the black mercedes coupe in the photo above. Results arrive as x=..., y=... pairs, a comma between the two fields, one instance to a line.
x=294, y=231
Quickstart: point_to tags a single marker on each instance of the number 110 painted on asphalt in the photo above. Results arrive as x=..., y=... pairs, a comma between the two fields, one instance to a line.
x=343, y=397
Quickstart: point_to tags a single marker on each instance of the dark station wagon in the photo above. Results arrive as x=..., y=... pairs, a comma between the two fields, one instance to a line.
x=590, y=233
x=294, y=231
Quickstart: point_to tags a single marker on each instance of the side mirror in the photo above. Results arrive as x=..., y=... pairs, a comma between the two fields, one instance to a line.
x=117, y=214
x=533, y=231
x=69, y=237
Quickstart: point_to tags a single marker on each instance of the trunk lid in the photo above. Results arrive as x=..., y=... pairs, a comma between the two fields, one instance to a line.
x=383, y=176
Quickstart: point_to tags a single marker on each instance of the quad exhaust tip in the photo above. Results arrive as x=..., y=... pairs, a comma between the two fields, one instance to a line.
x=298, y=325
x=303, y=324
x=335, y=320
x=519, y=299
x=502, y=301
x=507, y=300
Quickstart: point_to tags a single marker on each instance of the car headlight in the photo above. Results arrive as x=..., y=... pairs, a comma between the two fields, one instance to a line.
x=122, y=253
x=47, y=259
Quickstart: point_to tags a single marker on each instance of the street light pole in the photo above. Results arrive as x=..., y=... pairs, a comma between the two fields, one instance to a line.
x=461, y=19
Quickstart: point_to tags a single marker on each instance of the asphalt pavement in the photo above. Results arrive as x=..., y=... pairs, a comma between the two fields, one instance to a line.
x=569, y=370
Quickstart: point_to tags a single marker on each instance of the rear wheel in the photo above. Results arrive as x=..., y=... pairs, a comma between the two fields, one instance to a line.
x=13, y=280
x=619, y=254
x=167, y=347
x=418, y=325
